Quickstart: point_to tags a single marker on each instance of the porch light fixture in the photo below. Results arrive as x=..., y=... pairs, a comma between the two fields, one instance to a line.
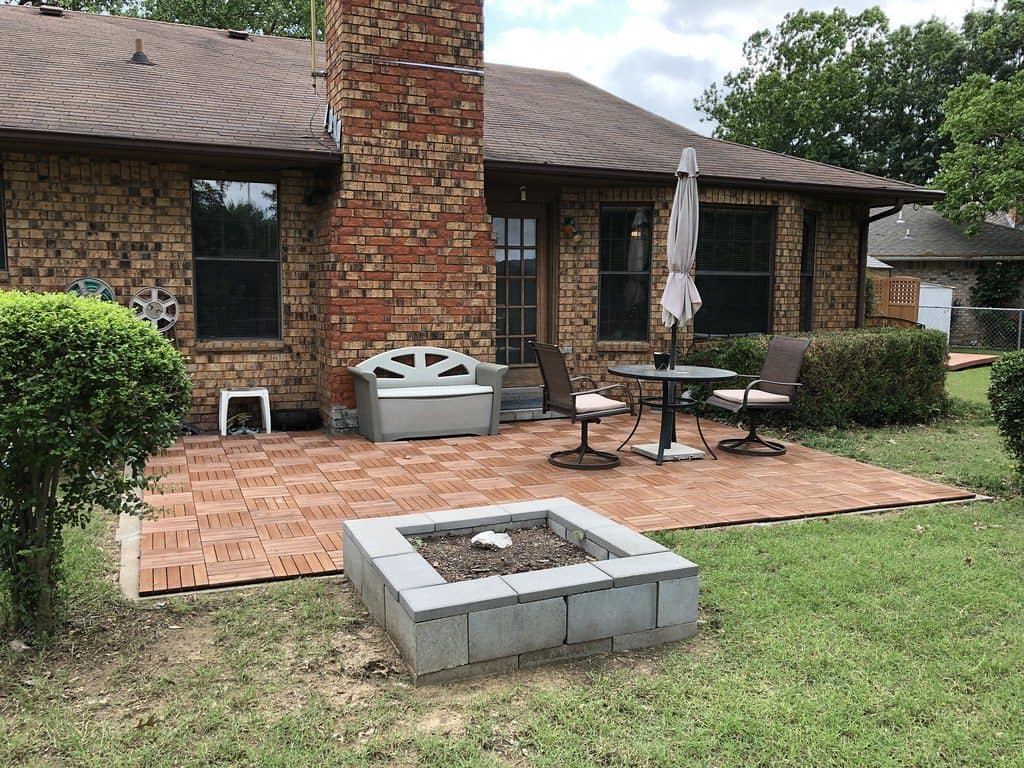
x=569, y=230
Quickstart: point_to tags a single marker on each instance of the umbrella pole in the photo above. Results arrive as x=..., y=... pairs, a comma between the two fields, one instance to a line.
x=672, y=347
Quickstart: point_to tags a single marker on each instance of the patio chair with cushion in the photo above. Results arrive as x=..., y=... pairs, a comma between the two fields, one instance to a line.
x=585, y=406
x=775, y=388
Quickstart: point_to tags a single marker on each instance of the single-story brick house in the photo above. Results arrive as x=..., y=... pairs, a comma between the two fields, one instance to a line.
x=417, y=196
x=922, y=244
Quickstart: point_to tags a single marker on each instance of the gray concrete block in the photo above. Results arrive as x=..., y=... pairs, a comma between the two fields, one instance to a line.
x=515, y=629
x=471, y=517
x=491, y=667
x=622, y=541
x=407, y=572
x=610, y=612
x=651, y=637
x=643, y=569
x=594, y=550
x=565, y=652
x=572, y=516
x=559, y=530
x=353, y=561
x=372, y=591
x=528, y=510
x=552, y=582
x=678, y=601
x=457, y=597
x=377, y=539
x=408, y=525
x=428, y=646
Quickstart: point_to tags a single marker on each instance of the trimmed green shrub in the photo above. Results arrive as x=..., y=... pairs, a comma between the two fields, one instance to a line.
x=1006, y=394
x=86, y=391
x=870, y=376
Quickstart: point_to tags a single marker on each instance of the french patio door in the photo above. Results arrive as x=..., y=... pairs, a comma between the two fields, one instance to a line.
x=521, y=288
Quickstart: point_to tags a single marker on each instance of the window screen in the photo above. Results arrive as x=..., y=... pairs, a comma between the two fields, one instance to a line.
x=624, y=276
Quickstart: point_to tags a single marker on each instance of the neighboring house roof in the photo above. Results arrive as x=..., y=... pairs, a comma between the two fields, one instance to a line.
x=70, y=79
x=933, y=238
x=874, y=263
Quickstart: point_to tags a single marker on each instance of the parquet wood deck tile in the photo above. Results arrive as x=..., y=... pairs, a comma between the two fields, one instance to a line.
x=241, y=510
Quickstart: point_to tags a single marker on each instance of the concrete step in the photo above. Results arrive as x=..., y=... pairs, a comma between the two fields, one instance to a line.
x=524, y=404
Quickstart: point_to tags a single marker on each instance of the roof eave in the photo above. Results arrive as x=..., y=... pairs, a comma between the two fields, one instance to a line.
x=882, y=195
x=49, y=141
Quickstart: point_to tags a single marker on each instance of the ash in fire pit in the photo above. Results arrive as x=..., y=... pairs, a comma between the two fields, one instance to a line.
x=532, y=549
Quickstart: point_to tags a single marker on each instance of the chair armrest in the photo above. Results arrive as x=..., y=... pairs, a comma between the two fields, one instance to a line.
x=574, y=379
x=490, y=374
x=754, y=385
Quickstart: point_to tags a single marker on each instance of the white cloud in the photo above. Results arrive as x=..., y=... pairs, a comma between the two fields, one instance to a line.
x=537, y=9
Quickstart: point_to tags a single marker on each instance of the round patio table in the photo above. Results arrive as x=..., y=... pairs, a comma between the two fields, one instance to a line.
x=669, y=378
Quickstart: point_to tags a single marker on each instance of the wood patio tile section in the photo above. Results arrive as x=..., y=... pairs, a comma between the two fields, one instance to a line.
x=240, y=510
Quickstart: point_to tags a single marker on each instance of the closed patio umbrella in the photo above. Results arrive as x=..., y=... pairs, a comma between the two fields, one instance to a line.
x=680, y=299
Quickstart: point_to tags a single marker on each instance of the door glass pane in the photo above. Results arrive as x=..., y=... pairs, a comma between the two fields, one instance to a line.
x=529, y=232
x=529, y=262
x=501, y=261
x=499, y=231
x=515, y=231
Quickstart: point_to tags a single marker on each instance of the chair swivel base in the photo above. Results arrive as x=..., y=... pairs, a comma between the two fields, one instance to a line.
x=584, y=457
x=744, y=445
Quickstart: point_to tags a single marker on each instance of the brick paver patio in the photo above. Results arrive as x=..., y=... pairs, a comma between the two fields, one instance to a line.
x=247, y=509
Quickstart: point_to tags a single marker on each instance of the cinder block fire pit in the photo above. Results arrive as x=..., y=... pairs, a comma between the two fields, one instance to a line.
x=635, y=594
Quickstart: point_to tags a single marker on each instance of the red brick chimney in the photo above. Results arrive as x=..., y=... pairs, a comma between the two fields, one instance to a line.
x=407, y=258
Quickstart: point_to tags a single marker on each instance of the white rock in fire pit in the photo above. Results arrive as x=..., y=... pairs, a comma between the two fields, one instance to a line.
x=491, y=540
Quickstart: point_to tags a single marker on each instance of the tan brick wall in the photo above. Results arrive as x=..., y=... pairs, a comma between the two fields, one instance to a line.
x=835, y=268
x=128, y=222
x=408, y=256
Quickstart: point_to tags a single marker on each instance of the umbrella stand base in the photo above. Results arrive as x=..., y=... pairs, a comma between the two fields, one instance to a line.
x=675, y=452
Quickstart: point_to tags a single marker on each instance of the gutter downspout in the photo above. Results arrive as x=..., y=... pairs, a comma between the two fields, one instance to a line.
x=862, y=257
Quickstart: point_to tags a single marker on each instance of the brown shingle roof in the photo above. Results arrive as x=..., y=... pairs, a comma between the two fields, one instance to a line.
x=71, y=76
x=536, y=117
x=933, y=237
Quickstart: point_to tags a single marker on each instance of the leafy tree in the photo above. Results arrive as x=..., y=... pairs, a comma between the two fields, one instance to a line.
x=86, y=392
x=804, y=89
x=985, y=171
x=906, y=84
x=843, y=89
x=288, y=18
x=995, y=40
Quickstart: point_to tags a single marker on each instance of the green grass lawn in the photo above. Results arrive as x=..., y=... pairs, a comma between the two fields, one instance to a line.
x=970, y=384
x=883, y=640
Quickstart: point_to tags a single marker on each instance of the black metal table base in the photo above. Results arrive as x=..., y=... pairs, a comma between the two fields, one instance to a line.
x=668, y=406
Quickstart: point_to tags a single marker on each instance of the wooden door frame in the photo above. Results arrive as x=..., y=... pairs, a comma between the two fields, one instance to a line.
x=545, y=292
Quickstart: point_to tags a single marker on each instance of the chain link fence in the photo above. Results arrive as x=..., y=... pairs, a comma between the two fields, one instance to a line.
x=988, y=328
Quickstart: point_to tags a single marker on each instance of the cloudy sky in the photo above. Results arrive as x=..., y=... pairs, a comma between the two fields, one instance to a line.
x=658, y=53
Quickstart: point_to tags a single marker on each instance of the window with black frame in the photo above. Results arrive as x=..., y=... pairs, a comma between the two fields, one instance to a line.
x=624, y=278
x=810, y=243
x=236, y=256
x=734, y=270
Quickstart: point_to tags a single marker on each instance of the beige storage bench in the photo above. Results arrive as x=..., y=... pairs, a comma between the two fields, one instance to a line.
x=426, y=392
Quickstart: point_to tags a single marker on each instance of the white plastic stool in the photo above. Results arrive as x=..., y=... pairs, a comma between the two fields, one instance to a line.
x=225, y=398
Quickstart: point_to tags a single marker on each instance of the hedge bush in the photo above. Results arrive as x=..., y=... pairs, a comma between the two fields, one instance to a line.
x=86, y=390
x=870, y=376
x=1006, y=395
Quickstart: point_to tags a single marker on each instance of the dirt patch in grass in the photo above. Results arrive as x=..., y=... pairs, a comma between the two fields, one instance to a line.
x=532, y=549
